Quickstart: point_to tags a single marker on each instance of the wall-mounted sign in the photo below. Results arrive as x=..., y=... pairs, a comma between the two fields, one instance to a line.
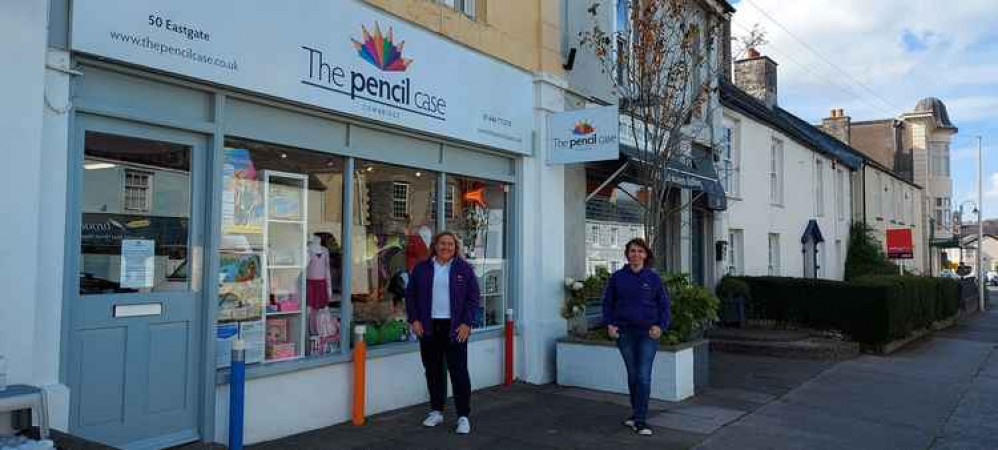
x=341, y=55
x=899, y=244
x=590, y=134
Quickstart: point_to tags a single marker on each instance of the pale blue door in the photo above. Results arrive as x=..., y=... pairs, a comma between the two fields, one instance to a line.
x=134, y=347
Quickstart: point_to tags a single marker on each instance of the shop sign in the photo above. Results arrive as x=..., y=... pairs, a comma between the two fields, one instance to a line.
x=899, y=244
x=340, y=55
x=582, y=135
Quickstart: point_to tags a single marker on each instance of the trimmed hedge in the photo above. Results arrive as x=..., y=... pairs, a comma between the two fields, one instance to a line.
x=871, y=310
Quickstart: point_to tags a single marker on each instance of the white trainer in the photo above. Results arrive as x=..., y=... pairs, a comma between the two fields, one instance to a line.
x=463, y=425
x=433, y=419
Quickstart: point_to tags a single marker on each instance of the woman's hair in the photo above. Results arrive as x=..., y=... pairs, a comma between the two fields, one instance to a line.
x=442, y=234
x=650, y=260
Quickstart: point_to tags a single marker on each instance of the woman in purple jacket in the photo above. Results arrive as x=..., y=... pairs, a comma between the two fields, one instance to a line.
x=636, y=311
x=441, y=300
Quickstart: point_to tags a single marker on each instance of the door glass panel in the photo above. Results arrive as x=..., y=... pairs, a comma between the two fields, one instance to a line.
x=136, y=205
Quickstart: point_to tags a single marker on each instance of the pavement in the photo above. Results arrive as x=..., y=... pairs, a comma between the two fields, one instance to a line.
x=940, y=392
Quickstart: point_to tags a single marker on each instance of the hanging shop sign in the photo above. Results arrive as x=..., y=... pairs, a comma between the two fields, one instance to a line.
x=899, y=244
x=343, y=56
x=582, y=135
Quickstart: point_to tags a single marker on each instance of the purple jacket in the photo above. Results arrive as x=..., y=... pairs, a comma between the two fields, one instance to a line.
x=464, y=294
x=636, y=300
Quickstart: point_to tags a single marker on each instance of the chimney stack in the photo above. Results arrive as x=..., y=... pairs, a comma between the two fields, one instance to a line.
x=839, y=125
x=756, y=75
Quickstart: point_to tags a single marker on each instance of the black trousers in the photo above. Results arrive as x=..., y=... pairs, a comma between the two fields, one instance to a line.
x=441, y=354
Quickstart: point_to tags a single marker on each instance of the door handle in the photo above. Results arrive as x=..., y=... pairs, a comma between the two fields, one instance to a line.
x=138, y=310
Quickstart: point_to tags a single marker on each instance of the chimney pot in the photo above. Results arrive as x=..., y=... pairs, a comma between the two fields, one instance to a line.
x=753, y=53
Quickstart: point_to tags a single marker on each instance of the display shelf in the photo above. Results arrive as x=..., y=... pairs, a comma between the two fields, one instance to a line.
x=285, y=235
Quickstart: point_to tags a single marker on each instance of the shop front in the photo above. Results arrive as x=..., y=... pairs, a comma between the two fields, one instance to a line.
x=275, y=185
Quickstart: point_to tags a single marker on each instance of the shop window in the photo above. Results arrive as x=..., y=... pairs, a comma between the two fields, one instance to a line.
x=482, y=224
x=134, y=240
x=138, y=190
x=393, y=226
x=280, y=261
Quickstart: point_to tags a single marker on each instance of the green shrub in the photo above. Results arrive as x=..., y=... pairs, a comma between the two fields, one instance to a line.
x=865, y=256
x=731, y=288
x=871, y=310
x=693, y=306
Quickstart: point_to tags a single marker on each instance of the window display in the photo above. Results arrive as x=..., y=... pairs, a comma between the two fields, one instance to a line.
x=280, y=261
x=481, y=223
x=393, y=227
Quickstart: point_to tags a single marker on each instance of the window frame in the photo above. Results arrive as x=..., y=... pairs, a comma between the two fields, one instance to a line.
x=126, y=173
x=466, y=7
x=730, y=157
x=819, y=187
x=774, y=254
x=406, y=202
x=776, y=163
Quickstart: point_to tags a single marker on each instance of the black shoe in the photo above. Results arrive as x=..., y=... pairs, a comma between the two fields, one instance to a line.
x=629, y=423
x=642, y=429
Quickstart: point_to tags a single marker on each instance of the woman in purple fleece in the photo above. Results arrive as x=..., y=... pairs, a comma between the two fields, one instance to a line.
x=441, y=300
x=636, y=311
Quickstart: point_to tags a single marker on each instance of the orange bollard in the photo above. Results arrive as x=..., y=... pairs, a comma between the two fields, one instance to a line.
x=359, y=374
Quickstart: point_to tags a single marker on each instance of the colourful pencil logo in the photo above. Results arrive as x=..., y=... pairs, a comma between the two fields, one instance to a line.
x=583, y=128
x=381, y=51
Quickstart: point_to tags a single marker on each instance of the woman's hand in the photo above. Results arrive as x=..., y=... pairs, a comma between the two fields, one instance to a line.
x=612, y=331
x=417, y=327
x=462, y=333
x=655, y=332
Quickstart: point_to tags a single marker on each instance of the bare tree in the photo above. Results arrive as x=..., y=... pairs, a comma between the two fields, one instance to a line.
x=664, y=66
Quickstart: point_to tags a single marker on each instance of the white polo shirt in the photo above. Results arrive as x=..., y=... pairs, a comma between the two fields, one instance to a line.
x=441, y=290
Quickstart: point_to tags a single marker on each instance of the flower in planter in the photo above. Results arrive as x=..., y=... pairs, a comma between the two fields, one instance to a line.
x=577, y=286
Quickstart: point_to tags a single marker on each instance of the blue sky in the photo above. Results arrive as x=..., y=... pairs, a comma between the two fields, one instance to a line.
x=877, y=58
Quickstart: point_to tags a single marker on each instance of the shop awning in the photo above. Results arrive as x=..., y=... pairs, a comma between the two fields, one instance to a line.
x=697, y=174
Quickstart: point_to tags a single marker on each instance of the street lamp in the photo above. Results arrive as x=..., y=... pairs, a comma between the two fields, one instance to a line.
x=980, y=223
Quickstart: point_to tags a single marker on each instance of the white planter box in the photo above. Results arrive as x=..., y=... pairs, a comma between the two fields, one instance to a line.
x=598, y=366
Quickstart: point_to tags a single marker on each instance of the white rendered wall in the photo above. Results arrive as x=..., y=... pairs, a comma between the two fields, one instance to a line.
x=754, y=214
x=541, y=249
x=601, y=368
x=30, y=322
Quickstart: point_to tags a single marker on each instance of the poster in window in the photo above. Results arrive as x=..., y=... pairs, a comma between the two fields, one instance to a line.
x=242, y=198
x=138, y=263
x=240, y=292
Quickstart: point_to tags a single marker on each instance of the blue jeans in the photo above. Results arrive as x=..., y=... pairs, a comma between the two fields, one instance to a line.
x=638, y=350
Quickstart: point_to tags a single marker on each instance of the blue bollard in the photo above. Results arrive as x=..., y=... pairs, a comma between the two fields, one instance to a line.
x=237, y=394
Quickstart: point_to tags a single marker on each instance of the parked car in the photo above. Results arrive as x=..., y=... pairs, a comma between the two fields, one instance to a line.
x=948, y=273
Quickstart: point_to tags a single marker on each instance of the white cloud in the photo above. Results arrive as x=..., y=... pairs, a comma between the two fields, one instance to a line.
x=972, y=108
x=991, y=190
x=865, y=39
